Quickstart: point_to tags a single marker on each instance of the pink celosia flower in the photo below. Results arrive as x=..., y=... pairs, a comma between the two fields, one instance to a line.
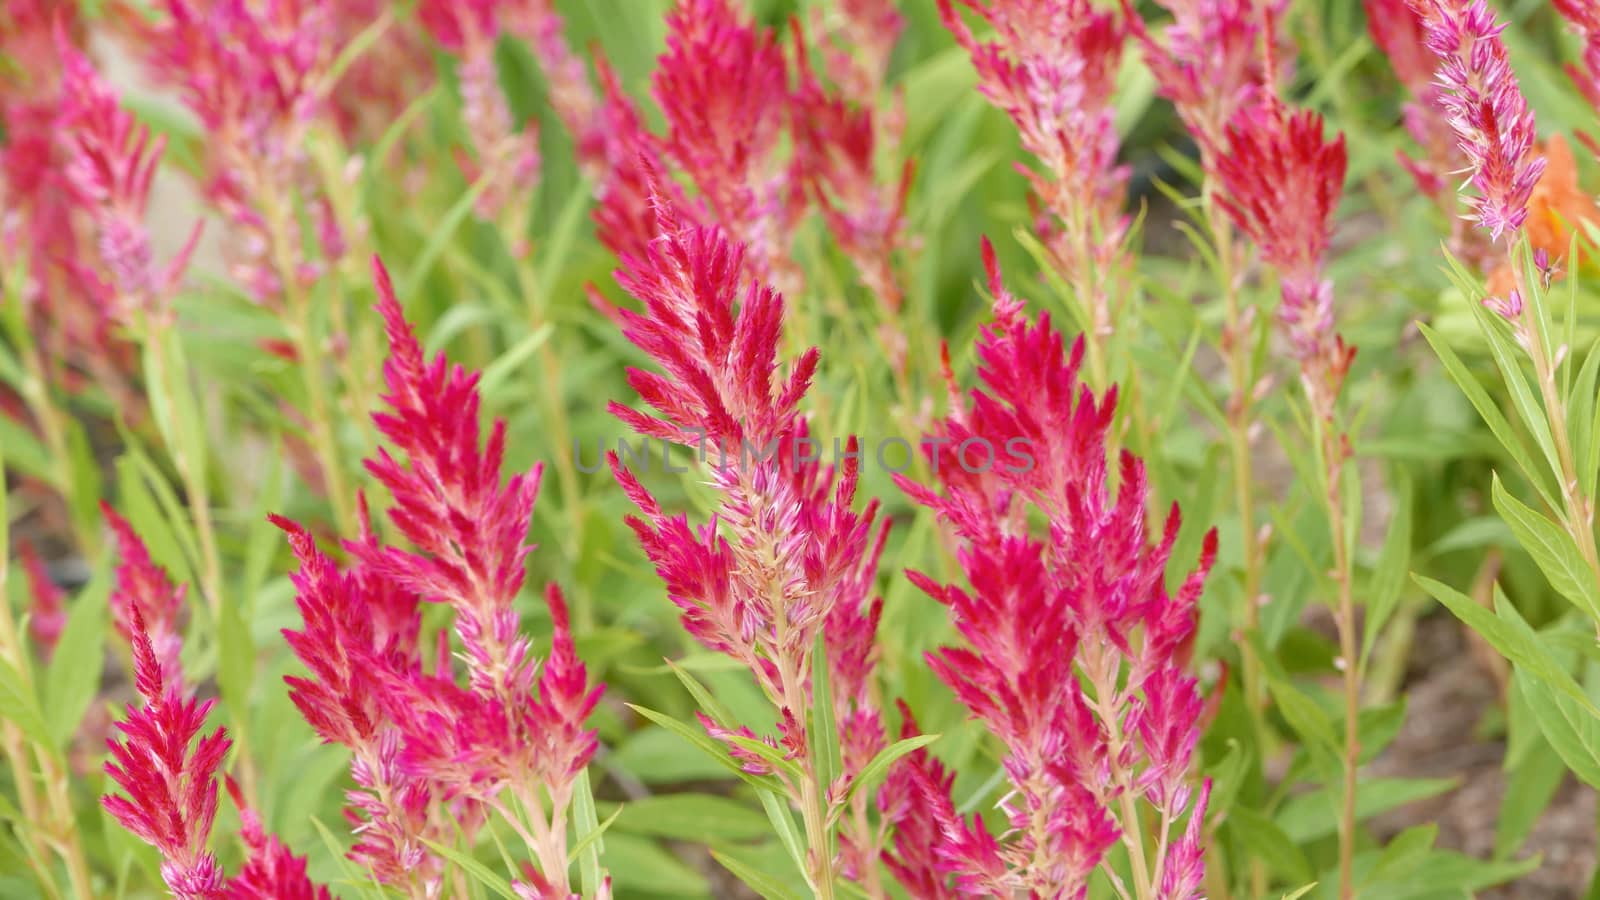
x=507, y=158
x=914, y=799
x=46, y=612
x=1208, y=61
x=519, y=726
x=722, y=87
x=1280, y=182
x=837, y=150
x=271, y=872
x=111, y=161
x=1485, y=106
x=171, y=790
x=1584, y=18
x=357, y=627
x=570, y=92
x=253, y=73
x=144, y=602
x=1052, y=66
x=634, y=161
x=784, y=557
x=1040, y=617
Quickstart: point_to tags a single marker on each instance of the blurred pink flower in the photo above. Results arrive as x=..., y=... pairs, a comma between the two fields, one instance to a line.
x=144, y=603
x=46, y=613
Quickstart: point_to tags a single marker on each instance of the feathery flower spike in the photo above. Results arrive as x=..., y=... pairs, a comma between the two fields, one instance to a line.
x=46, y=612
x=170, y=789
x=784, y=557
x=1041, y=616
x=271, y=871
x=1481, y=99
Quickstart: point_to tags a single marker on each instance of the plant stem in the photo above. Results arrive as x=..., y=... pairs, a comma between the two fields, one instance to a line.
x=1578, y=514
x=1103, y=675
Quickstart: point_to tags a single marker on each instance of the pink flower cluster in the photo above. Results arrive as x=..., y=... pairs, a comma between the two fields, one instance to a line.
x=75, y=174
x=167, y=776
x=1074, y=652
x=1052, y=67
x=1280, y=181
x=1208, y=61
x=1481, y=99
x=724, y=89
x=1584, y=18
x=254, y=75
x=424, y=746
x=785, y=557
x=506, y=159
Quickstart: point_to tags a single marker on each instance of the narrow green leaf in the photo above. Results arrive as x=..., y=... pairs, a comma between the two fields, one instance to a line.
x=824, y=737
x=693, y=817
x=587, y=833
x=1572, y=731
x=1511, y=636
x=1383, y=592
x=706, y=745
x=879, y=765
x=73, y=676
x=1490, y=413
x=440, y=234
x=707, y=702
x=506, y=365
x=777, y=807
x=1552, y=549
x=1265, y=841
x=761, y=882
x=21, y=707
x=480, y=873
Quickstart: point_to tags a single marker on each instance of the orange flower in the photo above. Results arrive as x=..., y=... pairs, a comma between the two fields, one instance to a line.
x=1555, y=208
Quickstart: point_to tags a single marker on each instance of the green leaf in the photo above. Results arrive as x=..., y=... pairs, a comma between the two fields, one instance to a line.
x=703, y=698
x=1552, y=549
x=19, y=706
x=496, y=373
x=1404, y=853
x=480, y=873
x=587, y=833
x=236, y=664
x=1511, y=636
x=640, y=866
x=1383, y=591
x=1264, y=840
x=879, y=765
x=824, y=736
x=1308, y=720
x=758, y=880
x=73, y=676
x=1529, y=789
x=704, y=818
x=1490, y=412
x=1299, y=892
x=777, y=808
x=440, y=234
x=1308, y=817
x=1571, y=730
x=706, y=745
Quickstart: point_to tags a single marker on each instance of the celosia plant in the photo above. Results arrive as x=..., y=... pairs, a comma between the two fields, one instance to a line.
x=884, y=579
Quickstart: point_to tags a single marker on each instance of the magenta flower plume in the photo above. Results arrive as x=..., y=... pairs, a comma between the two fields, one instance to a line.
x=572, y=96
x=838, y=143
x=1280, y=182
x=624, y=219
x=252, y=73
x=722, y=86
x=112, y=160
x=1051, y=67
x=784, y=558
x=145, y=600
x=506, y=158
x=46, y=610
x=170, y=789
x=271, y=871
x=421, y=742
x=1480, y=96
x=1398, y=29
x=359, y=632
x=1208, y=60
x=1042, y=616
x=1583, y=16
x=915, y=801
